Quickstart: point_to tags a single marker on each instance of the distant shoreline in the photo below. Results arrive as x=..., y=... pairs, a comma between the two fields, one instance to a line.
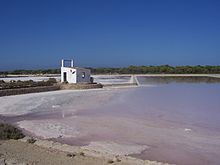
x=161, y=69
x=115, y=74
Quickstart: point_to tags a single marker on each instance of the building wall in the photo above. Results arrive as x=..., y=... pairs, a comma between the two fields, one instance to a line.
x=75, y=75
x=83, y=75
x=70, y=73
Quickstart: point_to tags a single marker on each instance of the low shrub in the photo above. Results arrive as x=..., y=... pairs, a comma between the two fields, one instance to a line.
x=26, y=84
x=52, y=80
x=9, y=132
x=71, y=155
x=31, y=140
x=2, y=81
x=82, y=154
x=110, y=161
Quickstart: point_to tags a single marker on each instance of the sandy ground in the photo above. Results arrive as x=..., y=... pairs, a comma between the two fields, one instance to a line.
x=20, y=152
x=47, y=153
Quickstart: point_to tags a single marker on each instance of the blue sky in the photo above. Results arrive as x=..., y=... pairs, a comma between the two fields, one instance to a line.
x=37, y=34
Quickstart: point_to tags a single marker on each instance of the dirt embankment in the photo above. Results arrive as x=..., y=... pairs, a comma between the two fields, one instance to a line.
x=8, y=92
x=80, y=86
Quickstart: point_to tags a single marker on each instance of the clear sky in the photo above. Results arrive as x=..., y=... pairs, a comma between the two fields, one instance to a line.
x=37, y=34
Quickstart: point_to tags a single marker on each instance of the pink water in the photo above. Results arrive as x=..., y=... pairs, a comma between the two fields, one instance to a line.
x=179, y=122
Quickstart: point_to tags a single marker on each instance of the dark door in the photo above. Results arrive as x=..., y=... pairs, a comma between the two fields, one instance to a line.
x=64, y=77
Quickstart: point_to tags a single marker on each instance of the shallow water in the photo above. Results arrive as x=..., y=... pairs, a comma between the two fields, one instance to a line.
x=111, y=79
x=179, y=122
x=176, y=121
x=177, y=79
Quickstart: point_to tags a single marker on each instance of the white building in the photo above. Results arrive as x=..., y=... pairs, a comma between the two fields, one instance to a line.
x=74, y=74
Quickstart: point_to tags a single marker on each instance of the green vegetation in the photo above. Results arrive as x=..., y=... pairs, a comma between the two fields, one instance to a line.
x=24, y=72
x=166, y=69
x=9, y=132
x=26, y=84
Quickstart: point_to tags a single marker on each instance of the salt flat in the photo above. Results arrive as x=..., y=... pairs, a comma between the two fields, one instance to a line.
x=152, y=122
